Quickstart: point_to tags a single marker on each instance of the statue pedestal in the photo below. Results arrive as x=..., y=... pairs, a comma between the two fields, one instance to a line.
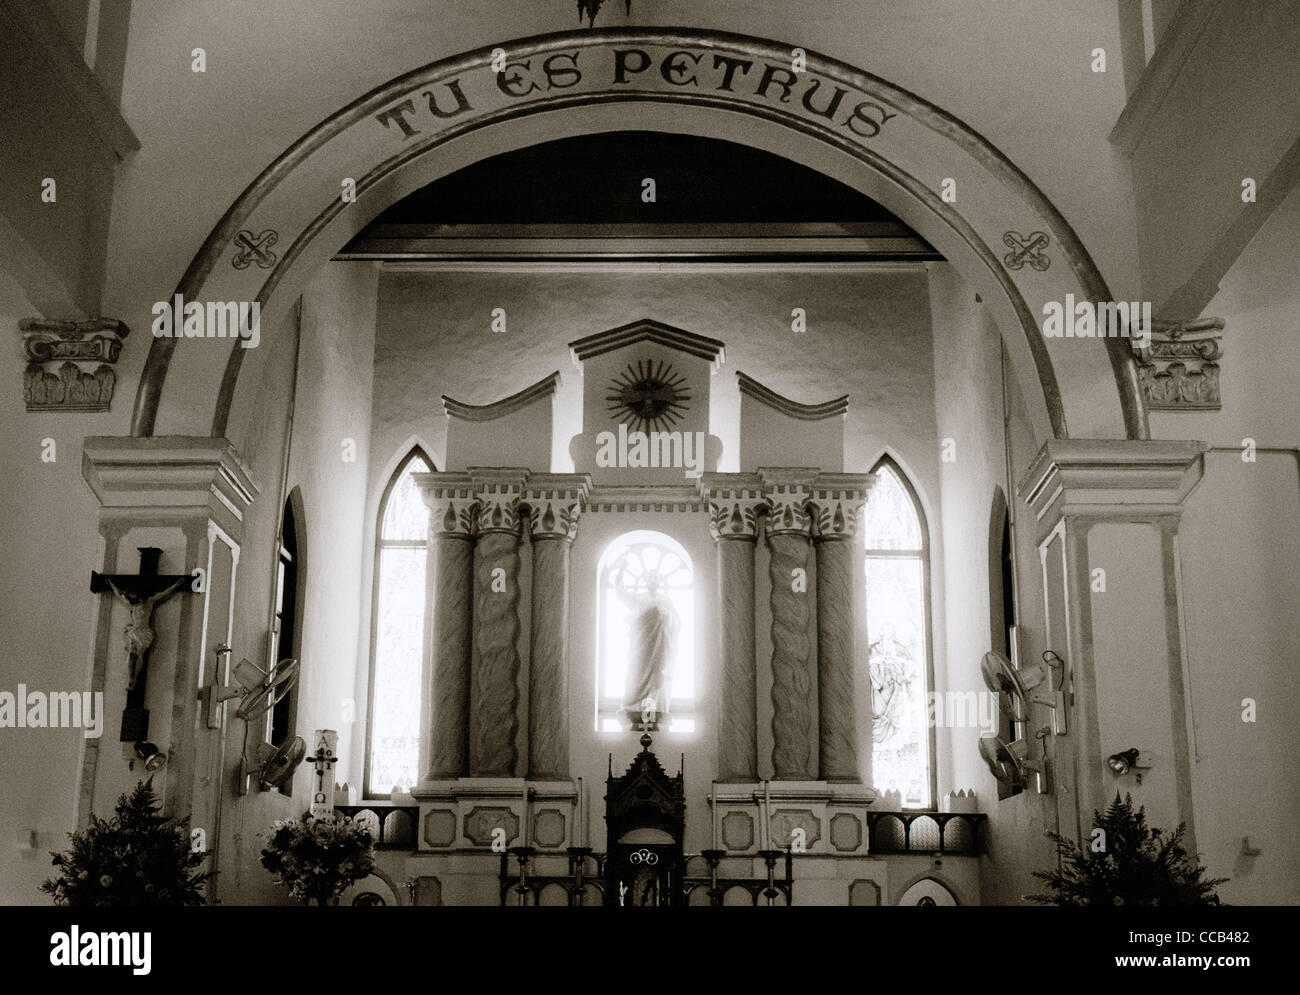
x=639, y=721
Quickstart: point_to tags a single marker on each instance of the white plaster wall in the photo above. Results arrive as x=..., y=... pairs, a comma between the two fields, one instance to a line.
x=1239, y=542
x=868, y=337
x=51, y=514
x=1133, y=674
x=969, y=410
x=332, y=404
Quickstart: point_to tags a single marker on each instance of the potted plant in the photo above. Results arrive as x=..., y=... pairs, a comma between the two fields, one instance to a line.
x=138, y=857
x=1127, y=863
x=316, y=859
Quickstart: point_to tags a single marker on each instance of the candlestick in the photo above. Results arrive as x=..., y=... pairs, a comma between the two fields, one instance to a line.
x=713, y=797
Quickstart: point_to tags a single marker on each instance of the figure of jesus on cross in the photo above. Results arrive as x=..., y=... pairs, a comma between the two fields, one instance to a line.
x=141, y=594
x=139, y=630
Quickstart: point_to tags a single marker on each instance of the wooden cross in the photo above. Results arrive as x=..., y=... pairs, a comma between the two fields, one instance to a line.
x=141, y=593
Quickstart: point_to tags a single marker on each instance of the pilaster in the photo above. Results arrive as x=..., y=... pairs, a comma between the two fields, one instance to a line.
x=1105, y=516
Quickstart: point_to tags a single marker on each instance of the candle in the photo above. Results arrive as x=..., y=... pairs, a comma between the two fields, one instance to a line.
x=525, y=815
x=714, y=798
x=764, y=836
x=580, y=830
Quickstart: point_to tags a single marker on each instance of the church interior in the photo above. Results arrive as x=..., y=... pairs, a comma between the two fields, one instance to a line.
x=686, y=452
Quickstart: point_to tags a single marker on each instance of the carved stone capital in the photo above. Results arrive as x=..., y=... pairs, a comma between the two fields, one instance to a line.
x=555, y=501
x=1121, y=479
x=451, y=498
x=787, y=492
x=1179, y=370
x=499, y=490
x=198, y=478
x=734, y=501
x=836, y=501
x=61, y=374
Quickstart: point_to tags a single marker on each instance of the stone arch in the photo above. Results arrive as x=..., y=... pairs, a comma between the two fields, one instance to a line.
x=929, y=884
x=883, y=140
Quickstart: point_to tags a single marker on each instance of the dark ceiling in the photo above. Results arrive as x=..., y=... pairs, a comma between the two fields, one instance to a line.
x=597, y=179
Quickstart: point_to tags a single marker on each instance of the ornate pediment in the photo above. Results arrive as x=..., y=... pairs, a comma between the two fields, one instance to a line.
x=645, y=404
x=648, y=330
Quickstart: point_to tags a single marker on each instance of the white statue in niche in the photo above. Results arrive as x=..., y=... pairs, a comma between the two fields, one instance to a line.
x=652, y=649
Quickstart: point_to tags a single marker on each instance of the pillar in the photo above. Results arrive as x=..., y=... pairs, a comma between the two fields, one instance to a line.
x=554, y=503
x=445, y=704
x=734, y=500
x=794, y=684
x=1104, y=515
x=188, y=496
x=494, y=664
x=837, y=501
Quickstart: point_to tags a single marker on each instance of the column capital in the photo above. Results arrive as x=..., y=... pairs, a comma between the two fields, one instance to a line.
x=554, y=502
x=499, y=490
x=734, y=500
x=1110, y=478
x=451, y=498
x=166, y=475
x=835, y=502
x=787, y=490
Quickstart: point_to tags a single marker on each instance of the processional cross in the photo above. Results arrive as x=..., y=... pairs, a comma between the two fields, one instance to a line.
x=141, y=593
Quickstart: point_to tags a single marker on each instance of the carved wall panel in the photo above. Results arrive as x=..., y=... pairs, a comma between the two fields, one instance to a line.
x=548, y=828
x=846, y=832
x=440, y=827
x=481, y=820
x=737, y=831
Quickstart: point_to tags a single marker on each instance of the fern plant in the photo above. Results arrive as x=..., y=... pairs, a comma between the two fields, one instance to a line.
x=1127, y=863
x=138, y=857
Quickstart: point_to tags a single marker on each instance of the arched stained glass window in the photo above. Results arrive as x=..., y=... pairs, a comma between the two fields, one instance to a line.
x=646, y=614
x=896, y=551
x=393, y=747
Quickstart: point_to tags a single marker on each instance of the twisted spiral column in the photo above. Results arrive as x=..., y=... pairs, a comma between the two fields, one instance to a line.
x=494, y=668
x=445, y=700
x=837, y=501
x=554, y=504
x=794, y=746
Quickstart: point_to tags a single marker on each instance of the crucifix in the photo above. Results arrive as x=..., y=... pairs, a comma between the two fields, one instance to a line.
x=141, y=593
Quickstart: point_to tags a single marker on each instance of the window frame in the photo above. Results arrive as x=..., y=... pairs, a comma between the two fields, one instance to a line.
x=415, y=452
x=290, y=562
x=923, y=554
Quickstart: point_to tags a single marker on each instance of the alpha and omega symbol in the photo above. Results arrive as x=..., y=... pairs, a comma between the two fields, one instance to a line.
x=255, y=248
x=643, y=856
x=1026, y=249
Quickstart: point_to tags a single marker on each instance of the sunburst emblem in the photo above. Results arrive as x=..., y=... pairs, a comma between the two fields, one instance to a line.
x=648, y=397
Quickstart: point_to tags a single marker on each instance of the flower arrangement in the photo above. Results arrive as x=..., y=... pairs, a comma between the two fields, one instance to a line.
x=1125, y=862
x=138, y=857
x=316, y=859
